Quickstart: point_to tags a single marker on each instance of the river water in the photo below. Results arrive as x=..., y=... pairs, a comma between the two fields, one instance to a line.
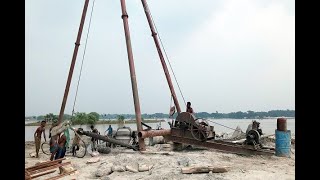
x=268, y=126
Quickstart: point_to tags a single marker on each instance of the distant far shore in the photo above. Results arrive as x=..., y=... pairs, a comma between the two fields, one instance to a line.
x=103, y=122
x=145, y=121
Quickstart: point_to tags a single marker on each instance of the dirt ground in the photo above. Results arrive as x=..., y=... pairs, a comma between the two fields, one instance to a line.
x=169, y=166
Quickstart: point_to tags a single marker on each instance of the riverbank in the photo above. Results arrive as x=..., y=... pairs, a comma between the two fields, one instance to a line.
x=103, y=122
x=169, y=166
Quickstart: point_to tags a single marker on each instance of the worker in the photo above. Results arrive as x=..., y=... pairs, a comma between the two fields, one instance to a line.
x=54, y=123
x=109, y=131
x=189, y=108
x=53, y=141
x=62, y=141
x=37, y=136
x=134, y=138
x=93, y=140
x=76, y=142
x=53, y=146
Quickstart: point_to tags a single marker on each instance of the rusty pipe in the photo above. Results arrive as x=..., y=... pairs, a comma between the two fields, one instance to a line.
x=106, y=138
x=73, y=61
x=153, y=133
x=164, y=66
x=132, y=73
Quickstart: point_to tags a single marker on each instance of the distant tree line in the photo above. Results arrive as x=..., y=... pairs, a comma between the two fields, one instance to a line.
x=216, y=115
x=77, y=118
x=248, y=114
x=83, y=118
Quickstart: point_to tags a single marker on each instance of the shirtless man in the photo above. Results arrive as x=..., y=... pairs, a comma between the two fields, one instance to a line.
x=76, y=142
x=93, y=140
x=61, y=147
x=37, y=136
x=189, y=108
x=52, y=126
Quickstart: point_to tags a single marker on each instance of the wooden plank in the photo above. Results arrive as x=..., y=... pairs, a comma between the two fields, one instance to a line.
x=160, y=153
x=204, y=169
x=27, y=175
x=44, y=164
x=48, y=168
x=41, y=174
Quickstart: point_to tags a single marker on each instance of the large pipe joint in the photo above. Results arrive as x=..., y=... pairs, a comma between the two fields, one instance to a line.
x=124, y=16
x=153, y=133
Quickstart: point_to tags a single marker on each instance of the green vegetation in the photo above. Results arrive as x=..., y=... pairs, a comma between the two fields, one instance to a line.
x=120, y=120
x=102, y=122
x=234, y=115
x=248, y=114
x=83, y=118
x=48, y=117
x=51, y=117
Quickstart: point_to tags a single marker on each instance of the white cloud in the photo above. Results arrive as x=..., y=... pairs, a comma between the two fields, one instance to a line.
x=247, y=51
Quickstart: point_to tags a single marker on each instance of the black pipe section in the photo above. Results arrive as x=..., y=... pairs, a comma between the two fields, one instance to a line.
x=105, y=138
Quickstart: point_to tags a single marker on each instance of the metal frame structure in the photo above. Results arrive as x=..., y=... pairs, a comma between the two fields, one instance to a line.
x=177, y=133
x=131, y=67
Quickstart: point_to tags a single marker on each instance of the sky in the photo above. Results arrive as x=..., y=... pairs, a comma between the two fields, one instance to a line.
x=227, y=56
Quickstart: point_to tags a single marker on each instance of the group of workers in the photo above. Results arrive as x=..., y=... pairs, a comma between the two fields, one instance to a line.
x=94, y=141
x=58, y=142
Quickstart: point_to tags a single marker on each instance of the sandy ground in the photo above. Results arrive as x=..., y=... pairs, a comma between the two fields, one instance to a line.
x=167, y=166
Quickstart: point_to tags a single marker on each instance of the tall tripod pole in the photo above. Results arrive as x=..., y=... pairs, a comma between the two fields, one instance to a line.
x=73, y=61
x=164, y=66
x=132, y=74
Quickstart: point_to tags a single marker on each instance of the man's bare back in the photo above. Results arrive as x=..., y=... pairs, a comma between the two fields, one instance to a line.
x=37, y=136
x=39, y=131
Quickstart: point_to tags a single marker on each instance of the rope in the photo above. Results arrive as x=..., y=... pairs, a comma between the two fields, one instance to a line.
x=223, y=125
x=84, y=53
x=166, y=54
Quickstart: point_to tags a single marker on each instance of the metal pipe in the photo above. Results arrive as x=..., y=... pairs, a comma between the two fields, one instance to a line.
x=132, y=73
x=105, y=138
x=73, y=61
x=153, y=133
x=164, y=66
